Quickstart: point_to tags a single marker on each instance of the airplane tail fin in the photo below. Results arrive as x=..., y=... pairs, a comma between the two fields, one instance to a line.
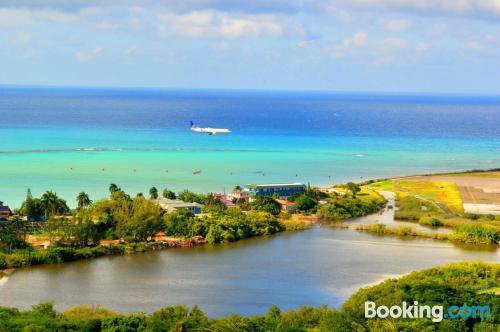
x=192, y=124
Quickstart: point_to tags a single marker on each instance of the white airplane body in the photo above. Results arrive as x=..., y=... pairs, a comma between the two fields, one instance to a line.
x=209, y=131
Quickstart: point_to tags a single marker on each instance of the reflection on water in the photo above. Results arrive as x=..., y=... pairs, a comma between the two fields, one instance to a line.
x=318, y=266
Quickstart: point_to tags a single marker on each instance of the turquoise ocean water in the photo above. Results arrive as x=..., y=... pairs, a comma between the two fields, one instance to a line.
x=72, y=140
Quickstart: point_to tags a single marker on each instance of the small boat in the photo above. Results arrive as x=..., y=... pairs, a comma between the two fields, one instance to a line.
x=196, y=171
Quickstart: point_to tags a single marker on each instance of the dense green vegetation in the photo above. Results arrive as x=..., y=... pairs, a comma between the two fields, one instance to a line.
x=477, y=234
x=344, y=207
x=224, y=226
x=453, y=284
x=131, y=223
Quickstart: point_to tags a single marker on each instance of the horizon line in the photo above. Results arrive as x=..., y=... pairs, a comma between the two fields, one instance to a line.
x=272, y=90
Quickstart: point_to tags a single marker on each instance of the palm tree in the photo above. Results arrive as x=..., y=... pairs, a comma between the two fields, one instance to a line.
x=83, y=200
x=153, y=193
x=52, y=204
x=113, y=188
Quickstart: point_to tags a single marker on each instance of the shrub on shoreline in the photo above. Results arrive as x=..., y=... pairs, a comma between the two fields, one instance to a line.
x=56, y=255
x=429, y=221
x=477, y=234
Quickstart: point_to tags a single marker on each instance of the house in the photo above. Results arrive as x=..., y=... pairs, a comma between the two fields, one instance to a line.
x=286, y=205
x=171, y=205
x=237, y=195
x=283, y=190
x=5, y=211
x=224, y=199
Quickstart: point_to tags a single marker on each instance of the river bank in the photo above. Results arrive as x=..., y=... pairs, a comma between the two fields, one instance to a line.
x=58, y=255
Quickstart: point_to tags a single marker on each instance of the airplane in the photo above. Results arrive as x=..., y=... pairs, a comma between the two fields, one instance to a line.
x=209, y=131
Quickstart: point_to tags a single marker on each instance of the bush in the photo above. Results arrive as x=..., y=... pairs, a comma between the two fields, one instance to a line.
x=17, y=260
x=430, y=221
x=3, y=261
x=305, y=203
x=477, y=234
x=411, y=216
x=348, y=207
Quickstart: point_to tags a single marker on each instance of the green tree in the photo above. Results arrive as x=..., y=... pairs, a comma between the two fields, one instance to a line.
x=52, y=204
x=153, y=193
x=12, y=235
x=113, y=188
x=83, y=200
x=81, y=231
x=180, y=223
x=138, y=220
x=305, y=203
x=353, y=188
x=169, y=194
x=189, y=196
x=266, y=204
x=31, y=207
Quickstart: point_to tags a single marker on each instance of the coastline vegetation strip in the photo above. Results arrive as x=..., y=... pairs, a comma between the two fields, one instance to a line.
x=475, y=234
x=122, y=224
x=453, y=284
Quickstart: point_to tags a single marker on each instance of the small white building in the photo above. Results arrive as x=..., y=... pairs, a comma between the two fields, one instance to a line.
x=170, y=205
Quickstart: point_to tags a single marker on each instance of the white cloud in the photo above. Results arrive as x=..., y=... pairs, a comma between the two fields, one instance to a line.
x=340, y=50
x=22, y=38
x=383, y=60
x=491, y=38
x=13, y=18
x=216, y=25
x=482, y=9
x=357, y=40
x=85, y=56
x=422, y=46
x=470, y=8
x=390, y=45
x=396, y=25
x=474, y=46
x=108, y=25
x=222, y=46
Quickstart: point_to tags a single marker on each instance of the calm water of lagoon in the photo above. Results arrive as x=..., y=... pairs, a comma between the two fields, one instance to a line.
x=319, y=266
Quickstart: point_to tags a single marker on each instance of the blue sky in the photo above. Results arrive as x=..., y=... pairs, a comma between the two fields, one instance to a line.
x=441, y=46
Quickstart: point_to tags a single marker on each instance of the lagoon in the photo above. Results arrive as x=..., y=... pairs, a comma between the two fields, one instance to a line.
x=322, y=265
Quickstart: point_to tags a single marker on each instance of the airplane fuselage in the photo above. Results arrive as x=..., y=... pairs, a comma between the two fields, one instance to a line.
x=210, y=131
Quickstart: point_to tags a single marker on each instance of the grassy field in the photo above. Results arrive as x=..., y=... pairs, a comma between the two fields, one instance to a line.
x=443, y=192
x=382, y=185
x=478, y=174
x=369, y=194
